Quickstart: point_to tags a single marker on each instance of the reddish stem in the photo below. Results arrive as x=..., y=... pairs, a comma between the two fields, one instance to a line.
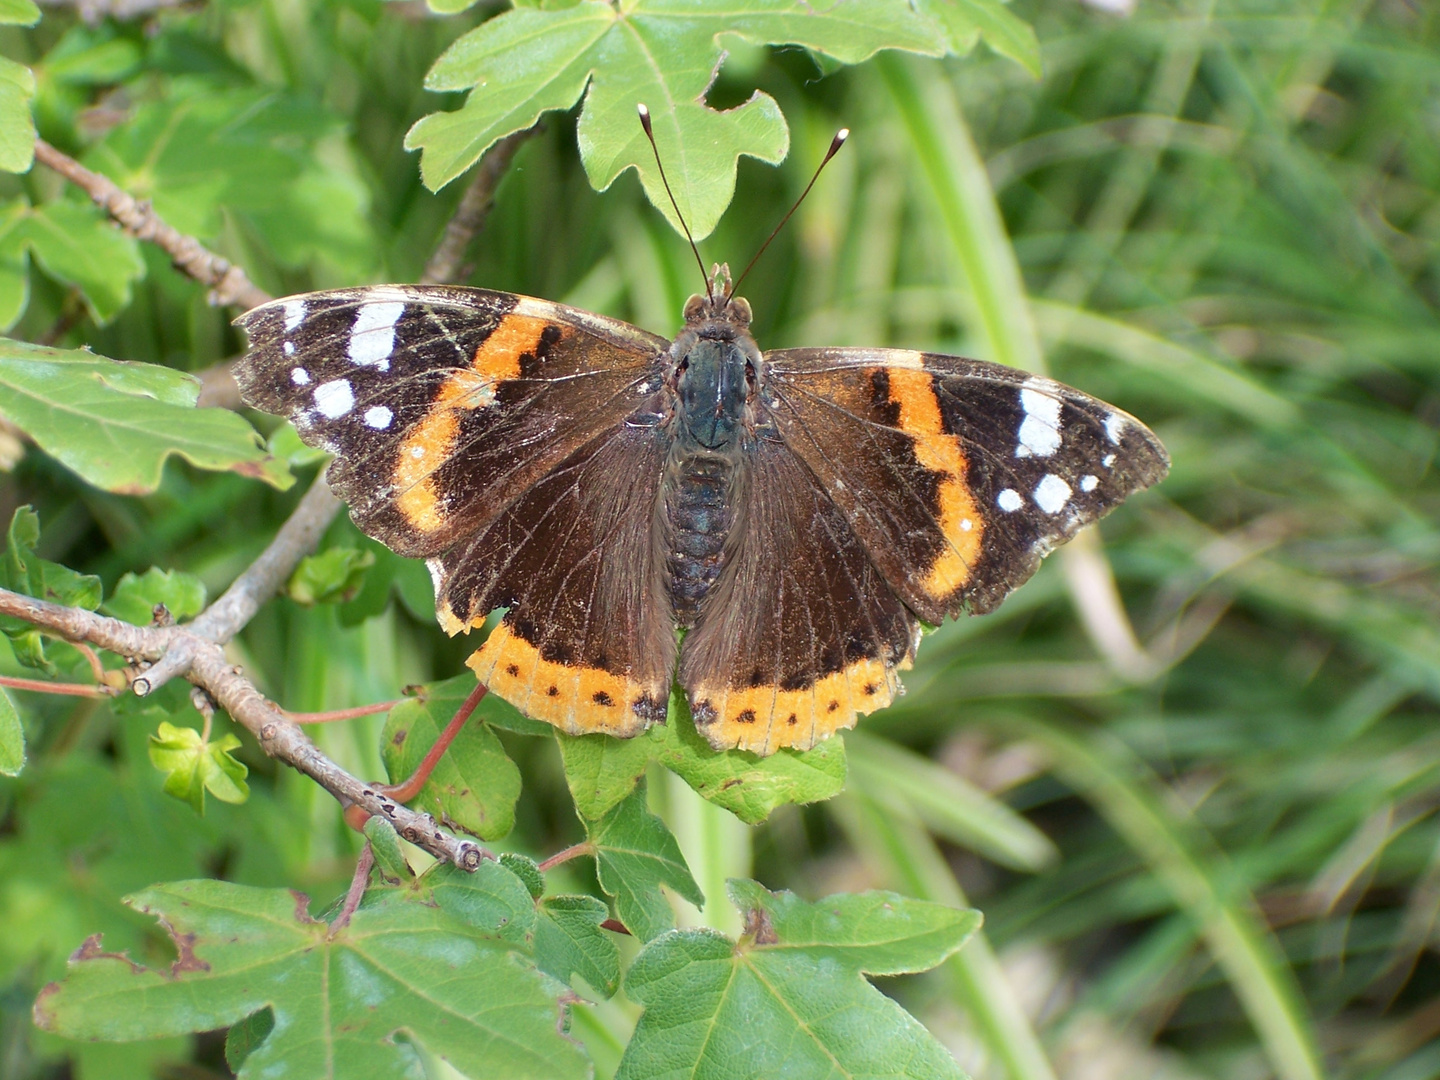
x=408, y=789
x=40, y=686
x=96, y=668
x=341, y=714
x=363, y=866
x=571, y=852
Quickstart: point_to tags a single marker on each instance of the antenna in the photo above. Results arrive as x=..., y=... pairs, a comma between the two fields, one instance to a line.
x=835, y=144
x=650, y=134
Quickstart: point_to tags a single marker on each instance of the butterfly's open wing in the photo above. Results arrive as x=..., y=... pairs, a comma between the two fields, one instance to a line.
x=495, y=435
x=800, y=634
x=588, y=643
x=441, y=403
x=957, y=475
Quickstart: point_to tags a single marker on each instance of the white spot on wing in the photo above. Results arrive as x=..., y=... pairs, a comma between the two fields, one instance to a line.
x=1051, y=494
x=966, y=524
x=372, y=338
x=334, y=398
x=1108, y=460
x=1040, y=430
x=437, y=574
x=1114, y=427
x=289, y=348
x=299, y=376
x=1089, y=483
x=378, y=416
x=294, y=312
x=1009, y=500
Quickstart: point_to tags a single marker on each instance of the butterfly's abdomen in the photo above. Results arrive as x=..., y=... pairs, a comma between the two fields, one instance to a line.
x=698, y=513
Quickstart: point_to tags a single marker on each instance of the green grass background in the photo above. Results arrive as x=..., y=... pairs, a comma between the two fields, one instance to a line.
x=1190, y=772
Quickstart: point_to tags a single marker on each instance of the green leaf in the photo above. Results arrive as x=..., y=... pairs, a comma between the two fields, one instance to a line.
x=338, y=998
x=492, y=899
x=136, y=597
x=195, y=766
x=664, y=53
x=19, y=12
x=91, y=56
x=285, y=444
x=14, y=263
x=333, y=576
x=12, y=737
x=245, y=1037
x=115, y=423
x=385, y=847
x=569, y=942
x=22, y=571
x=968, y=21
x=635, y=854
x=76, y=244
x=17, y=125
x=475, y=784
x=602, y=770
x=790, y=998
x=747, y=785
x=527, y=870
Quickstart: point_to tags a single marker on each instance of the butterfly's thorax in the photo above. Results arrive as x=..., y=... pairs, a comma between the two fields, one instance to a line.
x=712, y=383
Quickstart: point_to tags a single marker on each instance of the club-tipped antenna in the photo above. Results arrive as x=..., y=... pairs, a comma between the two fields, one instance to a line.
x=650, y=134
x=835, y=144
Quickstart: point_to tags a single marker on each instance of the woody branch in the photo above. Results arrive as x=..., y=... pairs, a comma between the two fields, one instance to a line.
x=278, y=736
x=195, y=650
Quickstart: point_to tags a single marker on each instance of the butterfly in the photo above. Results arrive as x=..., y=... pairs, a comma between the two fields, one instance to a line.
x=800, y=514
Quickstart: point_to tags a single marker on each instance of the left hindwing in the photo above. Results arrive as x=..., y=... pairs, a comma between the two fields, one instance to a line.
x=957, y=475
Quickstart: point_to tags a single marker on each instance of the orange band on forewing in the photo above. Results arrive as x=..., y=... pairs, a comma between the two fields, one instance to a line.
x=423, y=451
x=498, y=357
x=427, y=447
x=959, y=517
x=578, y=700
x=764, y=719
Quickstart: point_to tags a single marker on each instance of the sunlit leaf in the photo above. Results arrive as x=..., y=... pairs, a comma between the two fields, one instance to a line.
x=136, y=596
x=790, y=998
x=333, y=576
x=475, y=784
x=194, y=766
x=12, y=737
x=635, y=855
x=663, y=53
x=338, y=997
x=115, y=423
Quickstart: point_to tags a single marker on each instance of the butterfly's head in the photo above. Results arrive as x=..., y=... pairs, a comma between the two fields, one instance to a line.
x=700, y=309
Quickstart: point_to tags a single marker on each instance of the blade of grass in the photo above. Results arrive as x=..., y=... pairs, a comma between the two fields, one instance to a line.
x=947, y=804
x=895, y=842
x=1122, y=789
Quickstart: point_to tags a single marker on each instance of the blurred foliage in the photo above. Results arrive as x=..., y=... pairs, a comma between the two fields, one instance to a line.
x=1220, y=857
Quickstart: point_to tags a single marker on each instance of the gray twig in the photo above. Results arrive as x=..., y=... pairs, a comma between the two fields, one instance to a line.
x=446, y=265
x=225, y=618
x=231, y=690
x=228, y=283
